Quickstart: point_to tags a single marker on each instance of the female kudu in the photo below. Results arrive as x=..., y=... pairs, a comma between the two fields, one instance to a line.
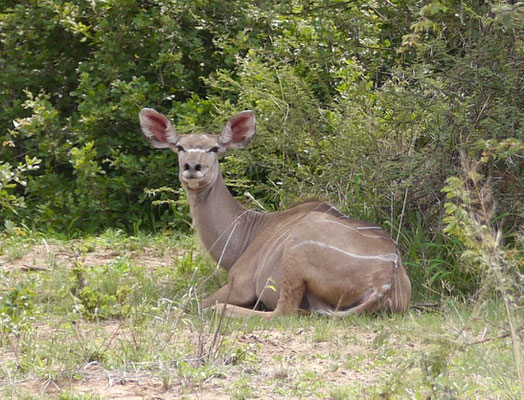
x=310, y=257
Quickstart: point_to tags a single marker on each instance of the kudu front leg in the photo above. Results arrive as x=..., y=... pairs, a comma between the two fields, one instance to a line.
x=240, y=312
x=236, y=303
x=239, y=295
x=230, y=310
x=290, y=296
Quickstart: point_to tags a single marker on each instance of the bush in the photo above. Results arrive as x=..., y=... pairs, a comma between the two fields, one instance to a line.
x=368, y=104
x=73, y=92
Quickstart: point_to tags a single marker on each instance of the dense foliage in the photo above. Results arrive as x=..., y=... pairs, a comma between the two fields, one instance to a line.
x=370, y=104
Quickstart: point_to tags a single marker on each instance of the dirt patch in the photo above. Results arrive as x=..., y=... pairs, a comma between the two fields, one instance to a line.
x=96, y=380
x=46, y=256
x=277, y=361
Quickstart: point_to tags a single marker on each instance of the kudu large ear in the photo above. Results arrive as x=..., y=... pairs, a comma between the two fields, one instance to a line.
x=158, y=129
x=239, y=130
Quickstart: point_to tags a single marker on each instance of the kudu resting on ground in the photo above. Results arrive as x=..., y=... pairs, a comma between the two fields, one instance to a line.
x=310, y=257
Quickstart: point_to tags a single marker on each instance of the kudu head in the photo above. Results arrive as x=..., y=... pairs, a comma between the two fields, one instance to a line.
x=197, y=153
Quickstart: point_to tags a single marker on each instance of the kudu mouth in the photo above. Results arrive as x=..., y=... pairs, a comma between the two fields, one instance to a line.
x=196, y=179
x=192, y=175
x=192, y=180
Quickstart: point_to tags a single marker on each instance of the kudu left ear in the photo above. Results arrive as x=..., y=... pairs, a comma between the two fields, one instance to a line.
x=239, y=130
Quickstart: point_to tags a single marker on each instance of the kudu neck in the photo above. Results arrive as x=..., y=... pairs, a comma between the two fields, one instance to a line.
x=214, y=203
x=221, y=222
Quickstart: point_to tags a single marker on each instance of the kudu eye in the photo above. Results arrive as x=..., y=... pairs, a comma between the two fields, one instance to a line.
x=214, y=149
x=179, y=148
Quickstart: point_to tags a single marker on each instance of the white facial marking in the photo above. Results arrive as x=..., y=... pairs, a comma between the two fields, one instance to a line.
x=196, y=151
x=188, y=175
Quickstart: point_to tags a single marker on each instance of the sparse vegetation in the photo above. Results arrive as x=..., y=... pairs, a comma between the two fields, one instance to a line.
x=141, y=327
x=407, y=113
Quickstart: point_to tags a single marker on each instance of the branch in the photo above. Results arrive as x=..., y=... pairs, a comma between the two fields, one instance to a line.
x=508, y=334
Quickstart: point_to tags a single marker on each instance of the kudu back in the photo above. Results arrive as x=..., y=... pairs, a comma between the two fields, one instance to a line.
x=310, y=257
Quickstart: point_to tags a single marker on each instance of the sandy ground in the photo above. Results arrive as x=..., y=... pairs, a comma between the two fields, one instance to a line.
x=283, y=359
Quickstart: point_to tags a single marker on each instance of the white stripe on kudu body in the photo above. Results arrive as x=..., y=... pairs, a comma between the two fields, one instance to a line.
x=257, y=248
x=357, y=230
x=384, y=257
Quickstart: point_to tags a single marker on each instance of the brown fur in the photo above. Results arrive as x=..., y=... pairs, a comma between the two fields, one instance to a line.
x=310, y=257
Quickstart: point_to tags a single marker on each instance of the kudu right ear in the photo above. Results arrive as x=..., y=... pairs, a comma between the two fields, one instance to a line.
x=158, y=129
x=239, y=130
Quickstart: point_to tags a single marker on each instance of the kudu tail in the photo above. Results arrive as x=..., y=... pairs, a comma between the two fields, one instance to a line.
x=399, y=296
x=390, y=298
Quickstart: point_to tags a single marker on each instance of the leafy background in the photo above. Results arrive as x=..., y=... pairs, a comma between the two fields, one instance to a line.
x=404, y=112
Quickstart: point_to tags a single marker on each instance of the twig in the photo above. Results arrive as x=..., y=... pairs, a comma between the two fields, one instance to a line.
x=426, y=306
x=289, y=173
x=112, y=337
x=46, y=246
x=33, y=268
x=402, y=214
x=508, y=334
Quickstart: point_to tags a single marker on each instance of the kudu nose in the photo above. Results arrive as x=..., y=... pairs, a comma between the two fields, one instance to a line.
x=189, y=166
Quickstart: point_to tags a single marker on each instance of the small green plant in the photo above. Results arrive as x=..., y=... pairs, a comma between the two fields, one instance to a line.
x=323, y=330
x=17, y=309
x=101, y=292
x=192, y=374
x=12, y=177
x=472, y=218
x=96, y=306
x=242, y=388
x=340, y=393
x=71, y=395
